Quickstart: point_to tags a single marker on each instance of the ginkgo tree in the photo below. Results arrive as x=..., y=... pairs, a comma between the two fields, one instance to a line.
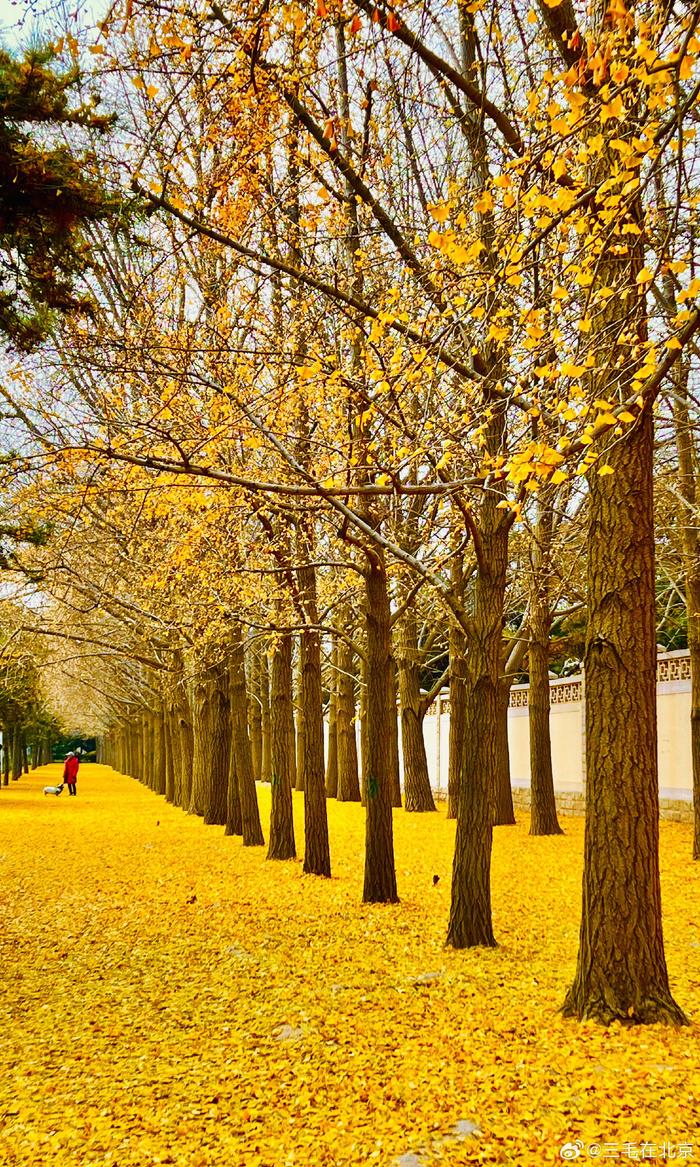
x=564, y=166
x=424, y=271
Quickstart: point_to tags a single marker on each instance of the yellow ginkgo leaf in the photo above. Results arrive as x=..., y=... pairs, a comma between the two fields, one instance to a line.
x=440, y=212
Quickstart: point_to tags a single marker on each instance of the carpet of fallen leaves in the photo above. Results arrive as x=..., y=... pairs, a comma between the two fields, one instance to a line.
x=171, y=997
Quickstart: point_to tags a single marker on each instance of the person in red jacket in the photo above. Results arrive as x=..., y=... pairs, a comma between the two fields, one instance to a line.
x=70, y=771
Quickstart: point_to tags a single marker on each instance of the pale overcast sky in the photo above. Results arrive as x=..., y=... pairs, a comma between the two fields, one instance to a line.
x=17, y=20
x=21, y=18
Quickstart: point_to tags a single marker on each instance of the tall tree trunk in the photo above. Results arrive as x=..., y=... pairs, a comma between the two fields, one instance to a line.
x=6, y=753
x=212, y=742
x=184, y=740
x=543, y=810
x=332, y=759
x=16, y=754
x=348, y=768
x=255, y=709
x=200, y=773
x=149, y=742
x=240, y=745
x=219, y=746
x=504, y=815
x=168, y=728
x=127, y=735
x=394, y=753
x=266, y=744
x=348, y=771
x=282, y=844
x=364, y=684
x=621, y=972
x=458, y=695
x=317, y=857
x=300, y=726
x=234, y=817
x=687, y=478
x=176, y=758
x=470, y=911
x=416, y=781
x=132, y=758
x=159, y=762
x=380, y=872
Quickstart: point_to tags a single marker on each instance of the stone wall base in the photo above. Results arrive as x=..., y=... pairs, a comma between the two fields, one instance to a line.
x=568, y=802
x=574, y=803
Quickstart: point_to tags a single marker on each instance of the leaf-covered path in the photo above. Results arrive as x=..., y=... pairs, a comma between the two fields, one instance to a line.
x=170, y=997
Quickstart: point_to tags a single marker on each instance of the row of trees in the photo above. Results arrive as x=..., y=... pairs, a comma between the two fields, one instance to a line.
x=27, y=721
x=380, y=370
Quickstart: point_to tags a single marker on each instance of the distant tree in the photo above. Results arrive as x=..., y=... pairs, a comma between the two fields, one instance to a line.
x=49, y=191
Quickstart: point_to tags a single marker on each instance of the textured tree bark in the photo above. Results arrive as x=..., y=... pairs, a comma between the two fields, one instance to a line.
x=183, y=739
x=234, y=818
x=470, y=915
x=503, y=814
x=240, y=745
x=621, y=972
x=153, y=746
x=380, y=873
x=332, y=759
x=364, y=681
x=145, y=754
x=6, y=753
x=176, y=753
x=14, y=758
x=16, y=754
x=143, y=749
x=458, y=706
x=159, y=751
x=416, y=781
x=300, y=727
x=255, y=709
x=348, y=771
x=218, y=746
x=317, y=857
x=169, y=755
x=543, y=810
x=291, y=738
x=395, y=768
x=200, y=775
x=458, y=692
x=265, y=763
x=211, y=743
x=130, y=743
x=282, y=843
x=687, y=478
x=470, y=911
x=135, y=761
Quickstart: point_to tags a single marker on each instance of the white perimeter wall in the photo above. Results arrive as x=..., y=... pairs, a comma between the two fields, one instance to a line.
x=568, y=736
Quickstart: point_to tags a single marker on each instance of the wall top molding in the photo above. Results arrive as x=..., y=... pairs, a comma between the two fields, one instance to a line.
x=670, y=666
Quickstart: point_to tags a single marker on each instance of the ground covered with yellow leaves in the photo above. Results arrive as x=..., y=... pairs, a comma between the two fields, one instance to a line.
x=171, y=997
